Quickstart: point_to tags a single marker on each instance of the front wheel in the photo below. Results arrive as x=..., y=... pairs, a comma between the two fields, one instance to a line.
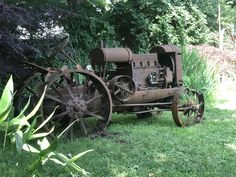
x=188, y=108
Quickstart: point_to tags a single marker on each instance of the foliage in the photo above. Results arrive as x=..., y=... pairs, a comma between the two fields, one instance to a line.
x=210, y=9
x=144, y=24
x=199, y=74
x=87, y=29
x=21, y=133
x=20, y=28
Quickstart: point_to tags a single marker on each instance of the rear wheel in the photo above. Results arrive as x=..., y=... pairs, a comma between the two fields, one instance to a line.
x=82, y=99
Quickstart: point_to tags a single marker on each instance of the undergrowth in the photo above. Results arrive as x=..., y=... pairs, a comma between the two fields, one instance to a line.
x=22, y=135
x=200, y=74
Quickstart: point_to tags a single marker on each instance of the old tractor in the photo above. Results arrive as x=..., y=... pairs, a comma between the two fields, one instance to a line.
x=116, y=81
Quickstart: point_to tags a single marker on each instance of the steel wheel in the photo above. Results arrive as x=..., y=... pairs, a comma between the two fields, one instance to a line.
x=188, y=108
x=83, y=101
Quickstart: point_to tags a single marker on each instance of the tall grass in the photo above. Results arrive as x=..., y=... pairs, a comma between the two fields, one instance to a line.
x=200, y=74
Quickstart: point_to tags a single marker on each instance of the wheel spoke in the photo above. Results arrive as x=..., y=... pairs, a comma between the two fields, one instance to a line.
x=68, y=128
x=83, y=125
x=123, y=87
x=95, y=115
x=94, y=98
x=72, y=132
x=70, y=92
x=82, y=93
x=54, y=99
x=56, y=91
x=117, y=91
x=68, y=78
x=68, y=87
x=127, y=84
x=127, y=91
x=59, y=116
x=191, y=109
x=119, y=86
x=76, y=92
x=122, y=95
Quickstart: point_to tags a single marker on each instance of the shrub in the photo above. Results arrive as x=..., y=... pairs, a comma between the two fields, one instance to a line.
x=199, y=74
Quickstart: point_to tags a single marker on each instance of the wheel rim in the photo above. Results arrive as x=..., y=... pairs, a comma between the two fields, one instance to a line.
x=82, y=99
x=188, y=108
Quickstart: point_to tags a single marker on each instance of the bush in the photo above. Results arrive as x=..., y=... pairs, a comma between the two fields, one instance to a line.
x=199, y=74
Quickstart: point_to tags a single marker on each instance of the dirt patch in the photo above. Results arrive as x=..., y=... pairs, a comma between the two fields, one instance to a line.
x=225, y=59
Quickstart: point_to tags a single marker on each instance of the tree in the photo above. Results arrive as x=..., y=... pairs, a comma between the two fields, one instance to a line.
x=20, y=28
x=144, y=24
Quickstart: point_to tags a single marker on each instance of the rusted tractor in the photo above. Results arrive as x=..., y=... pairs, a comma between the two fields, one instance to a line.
x=116, y=81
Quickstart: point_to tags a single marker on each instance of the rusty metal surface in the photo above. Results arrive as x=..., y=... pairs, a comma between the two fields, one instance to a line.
x=122, y=88
x=82, y=97
x=188, y=108
x=109, y=55
x=172, y=53
x=118, y=81
x=152, y=95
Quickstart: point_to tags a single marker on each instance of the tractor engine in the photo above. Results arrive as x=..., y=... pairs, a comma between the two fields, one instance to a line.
x=134, y=73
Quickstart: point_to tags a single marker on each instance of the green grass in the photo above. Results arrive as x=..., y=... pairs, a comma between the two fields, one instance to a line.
x=151, y=147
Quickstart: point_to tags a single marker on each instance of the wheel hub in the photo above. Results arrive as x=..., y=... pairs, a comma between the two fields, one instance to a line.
x=76, y=107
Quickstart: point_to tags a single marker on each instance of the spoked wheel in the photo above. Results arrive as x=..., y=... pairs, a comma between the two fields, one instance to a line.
x=29, y=89
x=83, y=101
x=188, y=108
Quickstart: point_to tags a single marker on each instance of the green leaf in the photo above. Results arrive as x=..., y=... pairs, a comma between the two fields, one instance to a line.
x=6, y=100
x=30, y=148
x=19, y=140
x=35, y=165
x=76, y=157
x=44, y=144
x=40, y=135
x=19, y=121
x=21, y=115
x=36, y=108
x=7, y=96
x=44, y=122
x=22, y=120
x=51, y=148
x=4, y=115
x=70, y=164
x=57, y=161
x=29, y=130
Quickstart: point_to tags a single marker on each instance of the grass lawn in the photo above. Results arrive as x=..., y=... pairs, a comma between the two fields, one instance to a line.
x=151, y=147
